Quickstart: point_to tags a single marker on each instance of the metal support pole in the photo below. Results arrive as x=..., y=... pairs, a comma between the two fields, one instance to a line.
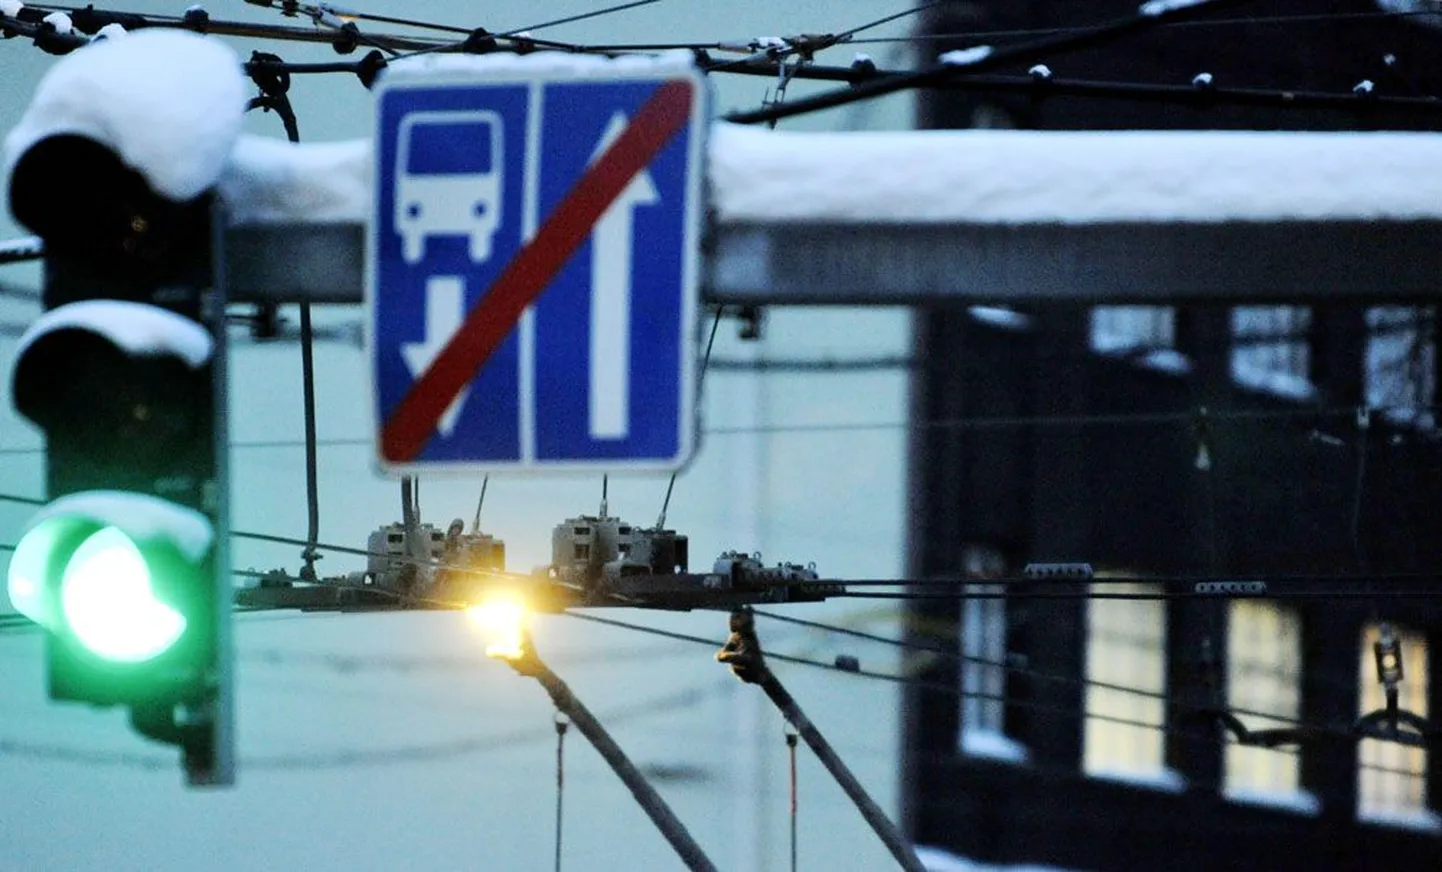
x=221, y=769
x=312, y=498
x=274, y=97
x=743, y=653
x=651, y=802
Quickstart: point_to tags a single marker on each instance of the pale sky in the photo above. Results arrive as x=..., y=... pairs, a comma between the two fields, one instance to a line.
x=833, y=496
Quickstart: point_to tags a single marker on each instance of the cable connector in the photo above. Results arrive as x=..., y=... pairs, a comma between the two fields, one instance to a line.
x=1202, y=427
x=90, y=20
x=1058, y=570
x=269, y=74
x=56, y=35
x=479, y=41
x=1230, y=588
x=196, y=18
x=806, y=45
x=347, y=38
x=369, y=68
x=1387, y=651
x=742, y=651
x=1204, y=86
x=862, y=68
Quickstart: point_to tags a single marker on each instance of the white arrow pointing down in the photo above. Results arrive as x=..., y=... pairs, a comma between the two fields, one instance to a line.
x=445, y=310
x=612, y=243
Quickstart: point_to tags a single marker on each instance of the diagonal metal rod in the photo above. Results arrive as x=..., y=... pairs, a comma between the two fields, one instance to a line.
x=531, y=665
x=312, y=493
x=743, y=652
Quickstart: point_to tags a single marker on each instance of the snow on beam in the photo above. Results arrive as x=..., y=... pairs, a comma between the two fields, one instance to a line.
x=1001, y=216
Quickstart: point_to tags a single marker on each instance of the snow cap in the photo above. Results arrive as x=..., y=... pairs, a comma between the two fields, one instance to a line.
x=273, y=181
x=135, y=328
x=168, y=103
x=141, y=516
x=508, y=65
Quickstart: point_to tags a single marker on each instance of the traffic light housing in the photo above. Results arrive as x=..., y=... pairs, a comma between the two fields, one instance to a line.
x=127, y=567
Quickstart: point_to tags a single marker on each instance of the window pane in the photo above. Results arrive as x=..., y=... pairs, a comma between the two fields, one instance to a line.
x=1126, y=644
x=983, y=668
x=1270, y=351
x=1401, y=363
x=1123, y=328
x=983, y=677
x=1391, y=778
x=1264, y=662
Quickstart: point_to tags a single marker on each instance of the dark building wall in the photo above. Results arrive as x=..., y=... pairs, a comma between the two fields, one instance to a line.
x=1128, y=494
x=1083, y=457
x=1320, y=55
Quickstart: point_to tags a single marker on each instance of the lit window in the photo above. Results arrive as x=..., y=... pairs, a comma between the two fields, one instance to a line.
x=983, y=669
x=1264, y=672
x=1391, y=778
x=1126, y=645
x=1118, y=329
x=1270, y=351
x=1401, y=362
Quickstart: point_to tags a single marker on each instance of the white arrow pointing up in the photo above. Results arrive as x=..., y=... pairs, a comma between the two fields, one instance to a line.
x=445, y=309
x=612, y=243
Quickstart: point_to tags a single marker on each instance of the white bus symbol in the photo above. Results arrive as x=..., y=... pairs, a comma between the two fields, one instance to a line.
x=448, y=180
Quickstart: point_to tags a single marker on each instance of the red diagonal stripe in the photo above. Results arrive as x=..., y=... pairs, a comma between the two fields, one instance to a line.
x=413, y=421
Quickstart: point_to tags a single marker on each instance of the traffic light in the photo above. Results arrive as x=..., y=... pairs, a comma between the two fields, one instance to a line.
x=127, y=567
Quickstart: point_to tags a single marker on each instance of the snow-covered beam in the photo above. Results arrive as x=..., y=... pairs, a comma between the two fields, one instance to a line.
x=894, y=218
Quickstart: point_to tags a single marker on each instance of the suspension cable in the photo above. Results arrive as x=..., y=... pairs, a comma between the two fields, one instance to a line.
x=562, y=723
x=791, y=736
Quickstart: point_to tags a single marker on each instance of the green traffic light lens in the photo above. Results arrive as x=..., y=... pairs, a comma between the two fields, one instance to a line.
x=108, y=603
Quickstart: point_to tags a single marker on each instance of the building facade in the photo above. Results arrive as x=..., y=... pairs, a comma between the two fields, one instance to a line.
x=1172, y=441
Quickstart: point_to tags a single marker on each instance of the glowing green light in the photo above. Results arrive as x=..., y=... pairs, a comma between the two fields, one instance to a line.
x=108, y=603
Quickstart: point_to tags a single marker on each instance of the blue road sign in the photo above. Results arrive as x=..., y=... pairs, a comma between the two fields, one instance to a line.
x=533, y=267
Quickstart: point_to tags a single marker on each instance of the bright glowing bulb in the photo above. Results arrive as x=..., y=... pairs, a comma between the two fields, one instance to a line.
x=501, y=618
x=106, y=597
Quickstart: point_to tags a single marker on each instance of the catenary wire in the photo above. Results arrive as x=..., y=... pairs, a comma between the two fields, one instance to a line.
x=967, y=423
x=350, y=759
x=766, y=63
x=899, y=679
x=1308, y=18
x=951, y=690
x=985, y=58
x=1073, y=680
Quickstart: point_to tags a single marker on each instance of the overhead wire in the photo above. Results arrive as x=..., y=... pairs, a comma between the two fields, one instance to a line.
x=952, y=690
x=1201, y=24
x=521, y=37
x=959, y=589
x=88, y=19
x=911, y=681
x=769, y=61
x=1042, y=84
x=985, y=422
x=1023, y=671
x=353, y=758
x=986, y=58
